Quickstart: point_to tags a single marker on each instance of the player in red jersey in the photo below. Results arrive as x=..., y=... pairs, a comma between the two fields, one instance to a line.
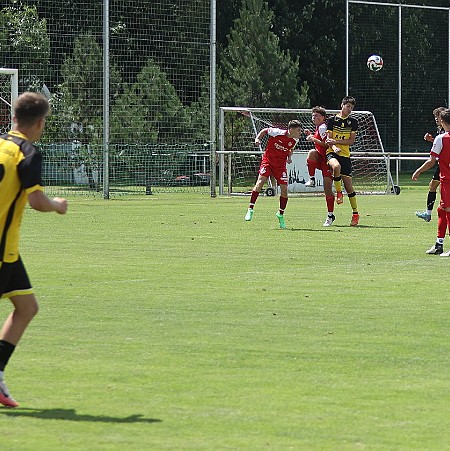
x=278, y=153
x=434, y=182
x=317, y=159
x=440, y=151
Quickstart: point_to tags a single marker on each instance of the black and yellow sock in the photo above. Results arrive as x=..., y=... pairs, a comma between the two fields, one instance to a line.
x=353, y=203
x=337, y=183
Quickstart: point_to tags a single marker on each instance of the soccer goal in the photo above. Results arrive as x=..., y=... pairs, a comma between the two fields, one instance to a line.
x=9, y=89
x=239, y=159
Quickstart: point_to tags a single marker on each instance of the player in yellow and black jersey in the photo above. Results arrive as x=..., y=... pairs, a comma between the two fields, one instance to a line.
x=341, y=134
x=20, y=182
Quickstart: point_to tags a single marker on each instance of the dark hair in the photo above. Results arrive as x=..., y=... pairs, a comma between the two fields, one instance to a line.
x=320, y=110
x=445, y=116
x=348, y=99
x=294, y=124
x=30, y=107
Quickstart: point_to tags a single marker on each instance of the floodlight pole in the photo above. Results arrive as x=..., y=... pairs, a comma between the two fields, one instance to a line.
x=212, y=99
x=106, y=99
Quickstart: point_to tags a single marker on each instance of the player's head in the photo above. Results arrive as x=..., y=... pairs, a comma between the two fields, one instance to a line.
x=445, y=117
x=30, y=111
x=437, y=114
x=347, y=105
x=318, y=115
x=295, y=128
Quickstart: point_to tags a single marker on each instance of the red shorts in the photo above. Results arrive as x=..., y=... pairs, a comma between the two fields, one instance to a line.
x=445, y=195
x=279, y=172
x=321, y=165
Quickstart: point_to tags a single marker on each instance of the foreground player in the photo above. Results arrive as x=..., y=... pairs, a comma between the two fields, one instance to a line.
x=317, y=160
x=440, y=150
x=20, y=180
x=434, y=182
x=341, y=131
x=278, y=153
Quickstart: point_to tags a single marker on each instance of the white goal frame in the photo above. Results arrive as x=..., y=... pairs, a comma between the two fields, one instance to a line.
x=225, y=156
x=14, y=83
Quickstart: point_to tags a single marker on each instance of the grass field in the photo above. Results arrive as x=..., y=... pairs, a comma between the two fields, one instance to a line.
x=168, y=322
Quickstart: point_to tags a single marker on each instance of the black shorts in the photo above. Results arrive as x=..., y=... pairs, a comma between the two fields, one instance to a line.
x=14, y=279
x=345, y=162
x=437, y=174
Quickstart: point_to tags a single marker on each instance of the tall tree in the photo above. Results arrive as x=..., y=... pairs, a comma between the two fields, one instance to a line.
x=24, y=40
x=254, y=71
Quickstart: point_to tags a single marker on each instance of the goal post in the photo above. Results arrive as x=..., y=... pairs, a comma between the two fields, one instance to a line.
x=238, y=158
x=9, y=91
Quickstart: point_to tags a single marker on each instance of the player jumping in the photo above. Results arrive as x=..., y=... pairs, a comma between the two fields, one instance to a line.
x=317, y=160
x=278, y=153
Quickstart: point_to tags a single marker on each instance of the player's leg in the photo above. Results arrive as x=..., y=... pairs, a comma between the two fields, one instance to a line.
x=431, y=197
x=312, y=164
x=443, y=220
x=15, y=285
x=348, y=184
x=335, y=168
x=257, y=190
x=282, y=180
x=329, y=198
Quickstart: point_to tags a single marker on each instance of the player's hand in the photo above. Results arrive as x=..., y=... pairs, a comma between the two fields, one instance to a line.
x=257, y=142
x=310, y=137
x=307, y=132
x=428, y=137
x=415, y=176
x=60, y=205
x=330, y=141
x=289, y=159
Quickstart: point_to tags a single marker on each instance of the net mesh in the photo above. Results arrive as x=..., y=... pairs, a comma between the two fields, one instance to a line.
x=420, y=35
x=240, y=159
x=158, y=83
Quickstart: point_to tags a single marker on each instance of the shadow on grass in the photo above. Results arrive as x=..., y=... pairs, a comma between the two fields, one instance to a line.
x=72, y=415
x=337, y=228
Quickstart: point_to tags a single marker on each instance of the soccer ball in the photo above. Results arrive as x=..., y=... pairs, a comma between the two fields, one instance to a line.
x=375, y=63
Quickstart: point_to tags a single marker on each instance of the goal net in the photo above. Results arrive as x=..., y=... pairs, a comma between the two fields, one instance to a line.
x=239, y=159
x=8, y=93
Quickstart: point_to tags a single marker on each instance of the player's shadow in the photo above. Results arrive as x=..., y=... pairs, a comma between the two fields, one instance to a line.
x=72, y=415
x=337, y=228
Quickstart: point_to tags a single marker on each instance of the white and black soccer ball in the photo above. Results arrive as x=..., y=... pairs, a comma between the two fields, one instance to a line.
x=375, y=63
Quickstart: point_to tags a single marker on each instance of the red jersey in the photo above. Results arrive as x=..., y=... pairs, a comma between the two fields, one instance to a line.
x=441, y=150
x=278, y=147
x=321, y=135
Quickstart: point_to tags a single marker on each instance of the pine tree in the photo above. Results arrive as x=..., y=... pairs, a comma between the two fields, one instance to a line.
x=254, y=70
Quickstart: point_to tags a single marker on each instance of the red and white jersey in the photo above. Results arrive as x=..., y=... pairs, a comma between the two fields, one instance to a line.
x=441, y=150
x=279, y=146
x=321, y=134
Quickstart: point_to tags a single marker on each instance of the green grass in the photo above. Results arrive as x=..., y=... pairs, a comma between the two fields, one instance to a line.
x=168, y=322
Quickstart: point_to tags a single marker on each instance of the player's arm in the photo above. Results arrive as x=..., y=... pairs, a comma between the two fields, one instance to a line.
x=427, y=165
x=310, y=138
x=39, y=201
x=428, y=137
x=260, y=135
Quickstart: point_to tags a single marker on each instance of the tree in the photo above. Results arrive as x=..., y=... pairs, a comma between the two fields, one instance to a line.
x=24, y=40
x=254, y=71
x=149, y=110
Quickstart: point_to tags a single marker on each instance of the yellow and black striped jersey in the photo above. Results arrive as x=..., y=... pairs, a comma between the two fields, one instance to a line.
x=20, y=175
x=341, y=128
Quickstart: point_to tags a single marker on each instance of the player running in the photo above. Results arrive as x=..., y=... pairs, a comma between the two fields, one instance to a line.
x=20, y=182
x=434, y=182
x=440, y=150
x=341, y=131
x=278, y=153
x=317, y=160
